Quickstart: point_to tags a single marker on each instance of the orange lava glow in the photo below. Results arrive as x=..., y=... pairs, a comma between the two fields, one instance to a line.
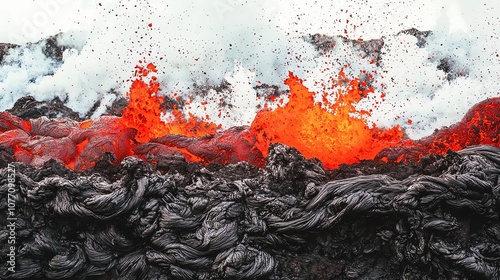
x=334, y=133
x=144, y=111
x=480, y=126
x=330, y=132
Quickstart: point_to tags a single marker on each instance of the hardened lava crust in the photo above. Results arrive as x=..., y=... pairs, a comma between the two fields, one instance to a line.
x=289, y=220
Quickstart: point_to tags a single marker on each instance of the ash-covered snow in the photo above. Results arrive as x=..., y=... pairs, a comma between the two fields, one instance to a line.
x=205, y=42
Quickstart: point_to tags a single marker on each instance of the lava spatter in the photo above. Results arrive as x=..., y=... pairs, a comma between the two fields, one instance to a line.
x=144, y=111
x=335, y=133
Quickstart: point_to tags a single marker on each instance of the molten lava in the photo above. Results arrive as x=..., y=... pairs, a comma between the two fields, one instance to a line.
x=332, y=133
x=144, y=111
x=335, y=133
x=480, y=126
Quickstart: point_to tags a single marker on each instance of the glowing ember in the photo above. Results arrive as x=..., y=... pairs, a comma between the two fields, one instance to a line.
x=332, y=134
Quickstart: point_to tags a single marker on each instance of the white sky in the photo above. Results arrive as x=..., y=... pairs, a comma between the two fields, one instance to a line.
x=31, y=20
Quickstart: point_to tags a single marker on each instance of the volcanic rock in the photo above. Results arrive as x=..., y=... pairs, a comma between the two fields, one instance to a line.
x=420, y=35
x=4, y=49
x=51, y=49
x=233, y=222
x=28, y=108
x=372, y=49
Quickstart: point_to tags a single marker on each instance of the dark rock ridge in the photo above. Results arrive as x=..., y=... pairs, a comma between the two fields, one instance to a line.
x=4, y=50
x=287, y=221
x=28, y=108
x=51, y=48
x=373, y=49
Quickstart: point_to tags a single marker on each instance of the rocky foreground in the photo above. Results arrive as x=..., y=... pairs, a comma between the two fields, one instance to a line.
x=291, y=220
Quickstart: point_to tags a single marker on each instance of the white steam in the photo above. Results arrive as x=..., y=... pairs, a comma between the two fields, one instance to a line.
x=24, y=66
x=247, y=42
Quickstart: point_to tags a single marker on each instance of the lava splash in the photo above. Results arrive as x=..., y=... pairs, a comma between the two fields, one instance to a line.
x=335, y=133
x=144, y=110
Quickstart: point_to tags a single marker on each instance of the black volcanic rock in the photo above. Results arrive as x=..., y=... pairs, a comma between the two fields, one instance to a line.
x=372, y=49
x=51, y=48
x=232, y=222
x=28, y=108
x=420, y=35
x=4, y=50
x=117, y=107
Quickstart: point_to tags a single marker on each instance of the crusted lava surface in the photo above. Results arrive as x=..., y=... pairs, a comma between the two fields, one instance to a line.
x=291, y=220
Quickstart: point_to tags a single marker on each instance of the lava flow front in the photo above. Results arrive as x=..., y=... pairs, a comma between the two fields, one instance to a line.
x=335, y=133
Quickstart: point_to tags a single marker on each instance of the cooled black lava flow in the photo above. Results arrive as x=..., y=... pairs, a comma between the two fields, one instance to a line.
x=288, y=221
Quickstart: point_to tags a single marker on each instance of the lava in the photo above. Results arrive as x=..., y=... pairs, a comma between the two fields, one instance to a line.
x=335, y=133
x=144, y=110
x=480, y=125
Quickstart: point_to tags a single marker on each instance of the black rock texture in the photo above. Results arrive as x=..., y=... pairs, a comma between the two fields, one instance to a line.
x=28, y=107
x=51, y=48
x=290, y=220
x=4, y=50
x=374, y=48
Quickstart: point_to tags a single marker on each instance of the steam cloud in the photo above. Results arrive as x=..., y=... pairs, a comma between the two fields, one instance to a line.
x=195, y=42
